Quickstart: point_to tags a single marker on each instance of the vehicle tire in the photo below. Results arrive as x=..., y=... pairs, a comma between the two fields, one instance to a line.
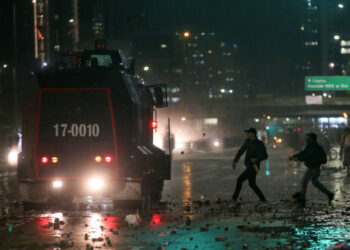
x=33, y=205
x=137, y=204
x=152, y=191
x=156, y=196
x=156, y=193
x=63, y=201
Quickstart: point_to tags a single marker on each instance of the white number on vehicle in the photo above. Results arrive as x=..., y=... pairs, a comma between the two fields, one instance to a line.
x=77, y=130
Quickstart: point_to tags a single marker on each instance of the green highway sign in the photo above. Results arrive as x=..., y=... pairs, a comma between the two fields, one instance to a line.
x=320, y=83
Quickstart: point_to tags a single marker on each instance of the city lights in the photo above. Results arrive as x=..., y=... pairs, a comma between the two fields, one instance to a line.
x=331, y=65
x=5, y=66
x=340, y=6
x=187, y=34
x=71, y=20
x=146, y=68
x=336, y=37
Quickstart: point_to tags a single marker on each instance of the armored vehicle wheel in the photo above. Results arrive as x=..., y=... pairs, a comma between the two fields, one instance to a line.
x=64, y=201
x=33, y=205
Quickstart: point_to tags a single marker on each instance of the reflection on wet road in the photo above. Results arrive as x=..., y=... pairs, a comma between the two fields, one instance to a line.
x=196, y=212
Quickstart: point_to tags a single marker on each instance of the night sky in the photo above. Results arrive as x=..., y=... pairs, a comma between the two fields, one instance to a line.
x=260, y=27
x=266, y=31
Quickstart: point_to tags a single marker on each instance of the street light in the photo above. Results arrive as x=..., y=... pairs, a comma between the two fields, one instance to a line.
x=331, y=65
x=146, y=68
x=336, y=37
x=340, y=6
x=187, y=34
x=4, y=66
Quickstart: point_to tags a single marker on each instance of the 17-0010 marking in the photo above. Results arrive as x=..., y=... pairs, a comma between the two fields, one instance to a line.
x=76, y=130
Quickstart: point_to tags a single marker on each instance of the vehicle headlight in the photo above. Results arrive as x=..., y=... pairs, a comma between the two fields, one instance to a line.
x=12, y=157
x=95, y=184
x=57, y=184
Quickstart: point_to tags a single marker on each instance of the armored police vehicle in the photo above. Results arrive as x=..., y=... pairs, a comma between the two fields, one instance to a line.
x=89, y=130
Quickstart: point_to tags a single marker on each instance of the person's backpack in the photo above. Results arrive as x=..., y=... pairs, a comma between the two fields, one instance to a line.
x=323, y=156
x=264, y=155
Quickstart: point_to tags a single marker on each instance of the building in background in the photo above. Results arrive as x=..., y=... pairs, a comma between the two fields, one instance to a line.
x=210, y=67
x=325, y=37
x=197, y=67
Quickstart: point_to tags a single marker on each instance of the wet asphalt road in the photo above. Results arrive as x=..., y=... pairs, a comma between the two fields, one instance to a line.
x=196, y=212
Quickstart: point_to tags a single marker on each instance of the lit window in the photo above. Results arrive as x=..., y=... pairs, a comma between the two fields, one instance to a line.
x=344, y=43
x=211, y=121
x=345, y=51
x=175, y=99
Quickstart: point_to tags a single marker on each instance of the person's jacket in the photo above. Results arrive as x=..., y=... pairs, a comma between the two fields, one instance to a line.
x=312, y=156
x=255, y=149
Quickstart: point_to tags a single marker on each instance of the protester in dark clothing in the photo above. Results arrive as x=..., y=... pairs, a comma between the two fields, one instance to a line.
x=256, y=152
x=312, y=156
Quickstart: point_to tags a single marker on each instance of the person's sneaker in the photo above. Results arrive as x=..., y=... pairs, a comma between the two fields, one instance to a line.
x=296, y=195
x=301, y=201
x=330, y=197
